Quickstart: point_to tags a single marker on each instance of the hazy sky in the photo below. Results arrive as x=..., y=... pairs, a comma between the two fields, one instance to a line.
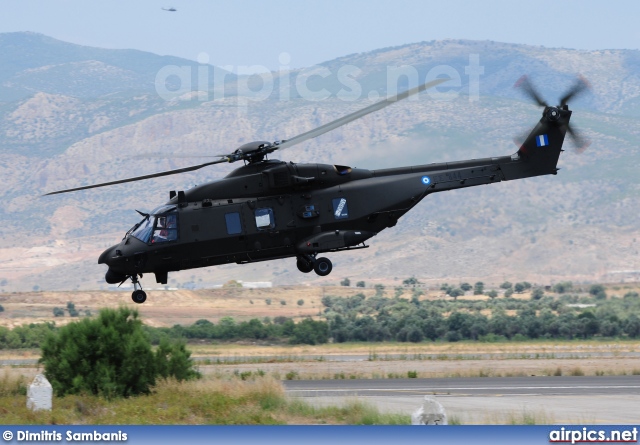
x=252, y=32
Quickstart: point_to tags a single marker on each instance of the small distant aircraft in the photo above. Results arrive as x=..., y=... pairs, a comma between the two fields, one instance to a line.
x=169, y=9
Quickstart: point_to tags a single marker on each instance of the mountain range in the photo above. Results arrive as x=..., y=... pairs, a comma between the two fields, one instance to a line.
x=72, y=115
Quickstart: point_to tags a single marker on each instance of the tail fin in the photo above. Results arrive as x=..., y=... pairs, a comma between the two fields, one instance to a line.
x=539, y=153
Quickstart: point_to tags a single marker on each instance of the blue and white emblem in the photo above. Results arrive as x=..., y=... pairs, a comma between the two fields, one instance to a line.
x=542, y=140
x=426, y=180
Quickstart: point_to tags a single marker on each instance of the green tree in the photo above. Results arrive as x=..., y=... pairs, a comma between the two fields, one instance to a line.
x=478, y=288
x=109, y=356
x=379, y=290
x=562, y=287
x=300, y=302
x=506, y=285
x=465, y=286
x=455, y=293
x=346, y=282
x=597, y=290
x=58, y=312
x=360, y=284
x=1, y=308
x=492, y=294
x=518, y=288
x=537, y=294
x=508, y=293
x=413, y=281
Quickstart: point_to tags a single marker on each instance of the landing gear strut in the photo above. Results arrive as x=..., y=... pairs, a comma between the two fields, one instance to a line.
x=322, y=266
x=138, y=296
x=305, y=263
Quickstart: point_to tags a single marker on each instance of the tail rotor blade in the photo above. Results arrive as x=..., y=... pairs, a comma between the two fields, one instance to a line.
x=526, y=86
x=581, y=143
x=581, y=85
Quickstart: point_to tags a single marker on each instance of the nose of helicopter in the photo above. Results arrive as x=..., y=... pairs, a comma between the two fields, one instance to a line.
x=106, y=255
x=111, y=277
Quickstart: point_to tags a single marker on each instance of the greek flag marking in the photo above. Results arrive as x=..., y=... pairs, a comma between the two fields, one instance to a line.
x=542, y=140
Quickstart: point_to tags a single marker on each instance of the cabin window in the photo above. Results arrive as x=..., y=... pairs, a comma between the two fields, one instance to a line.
x=265, y=219
x=340, y=209
x=166, y=228
x=234, y=226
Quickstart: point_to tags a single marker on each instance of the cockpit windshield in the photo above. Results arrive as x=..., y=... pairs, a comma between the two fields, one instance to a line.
x=160, y=226
x=144, y=229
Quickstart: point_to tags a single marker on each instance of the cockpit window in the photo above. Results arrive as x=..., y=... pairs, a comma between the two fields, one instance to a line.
x=166, y=228
x=158, y=227
x=143, y=231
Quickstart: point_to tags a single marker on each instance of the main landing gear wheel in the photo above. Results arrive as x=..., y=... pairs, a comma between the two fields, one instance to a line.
x=323, y=266
x=139, y=296
x=304, y=266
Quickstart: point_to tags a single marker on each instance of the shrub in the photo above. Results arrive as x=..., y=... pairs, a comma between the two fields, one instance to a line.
x=58, y=312
x=360, y=284
x=73, y=312
x=110, y=356
x=310, y=332
x=300, y=302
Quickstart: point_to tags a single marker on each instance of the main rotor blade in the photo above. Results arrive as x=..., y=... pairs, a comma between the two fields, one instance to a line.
x=358, y=114
x=139, y=178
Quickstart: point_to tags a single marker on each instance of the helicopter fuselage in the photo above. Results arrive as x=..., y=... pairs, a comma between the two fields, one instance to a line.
x=273, y=209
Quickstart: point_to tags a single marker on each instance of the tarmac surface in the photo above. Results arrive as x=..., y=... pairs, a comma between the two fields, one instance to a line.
x=543, y=400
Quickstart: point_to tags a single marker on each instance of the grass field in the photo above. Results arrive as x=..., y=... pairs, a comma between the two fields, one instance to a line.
x=216, y=399
x=242, y=380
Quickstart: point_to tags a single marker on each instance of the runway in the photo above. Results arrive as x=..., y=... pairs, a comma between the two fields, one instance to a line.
x=551, y=400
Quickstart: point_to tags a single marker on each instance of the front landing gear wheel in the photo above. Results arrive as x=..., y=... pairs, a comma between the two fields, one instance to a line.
x=304, y=266
x=139, y=296
x=323, y=266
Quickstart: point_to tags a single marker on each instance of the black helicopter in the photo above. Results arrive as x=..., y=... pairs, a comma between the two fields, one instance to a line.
x=270, y=209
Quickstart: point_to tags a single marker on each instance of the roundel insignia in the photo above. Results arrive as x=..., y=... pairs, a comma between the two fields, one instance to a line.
x=426, y=180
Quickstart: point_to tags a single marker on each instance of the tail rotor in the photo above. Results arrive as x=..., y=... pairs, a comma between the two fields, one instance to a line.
x=581, y=143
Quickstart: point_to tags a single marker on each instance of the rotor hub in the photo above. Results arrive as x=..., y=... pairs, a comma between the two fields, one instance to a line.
x=552, y=113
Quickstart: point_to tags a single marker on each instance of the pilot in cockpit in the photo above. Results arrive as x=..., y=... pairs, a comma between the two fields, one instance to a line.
x=165, y=229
